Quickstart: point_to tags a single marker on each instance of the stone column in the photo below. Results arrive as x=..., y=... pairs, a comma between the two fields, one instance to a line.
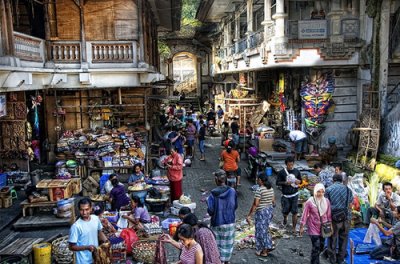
x=237, y=31
x=335, y=15
x=267, y=23
x=250, y=24
x=280, y=17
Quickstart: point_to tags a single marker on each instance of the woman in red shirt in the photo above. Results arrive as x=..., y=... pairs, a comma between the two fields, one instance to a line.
x=174, y=164
x=231, y=158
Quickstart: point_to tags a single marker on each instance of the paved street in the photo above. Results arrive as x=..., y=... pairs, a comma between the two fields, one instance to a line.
x=199, y=177
x=198, y=181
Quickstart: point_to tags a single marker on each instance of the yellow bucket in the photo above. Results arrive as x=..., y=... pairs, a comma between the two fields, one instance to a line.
x=42, y=253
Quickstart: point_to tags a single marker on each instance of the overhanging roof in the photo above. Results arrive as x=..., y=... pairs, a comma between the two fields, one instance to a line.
x=167, y=14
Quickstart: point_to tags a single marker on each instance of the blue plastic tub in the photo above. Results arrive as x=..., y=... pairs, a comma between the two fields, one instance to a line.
x=268, y=171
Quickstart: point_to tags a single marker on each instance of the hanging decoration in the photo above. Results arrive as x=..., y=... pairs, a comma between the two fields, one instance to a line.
x=318, y=103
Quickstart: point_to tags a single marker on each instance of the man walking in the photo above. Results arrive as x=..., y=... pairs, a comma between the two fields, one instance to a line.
x=289, y=178
x=222, y=204
x=85, y=233
x=340, y=197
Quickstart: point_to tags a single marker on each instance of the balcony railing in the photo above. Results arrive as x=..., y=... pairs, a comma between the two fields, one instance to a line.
x=270, y=32
x=112, y=52
x=65, y=51
x=221, y=53
x=28, y=47
x=242, y=45
x=256, y=39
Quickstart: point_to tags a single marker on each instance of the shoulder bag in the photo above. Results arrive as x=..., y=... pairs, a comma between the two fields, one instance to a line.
x=326, y=228
x=340, y=215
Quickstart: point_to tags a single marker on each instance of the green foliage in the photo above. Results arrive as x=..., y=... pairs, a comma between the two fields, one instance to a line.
x=387, y=159
x=189, y=9
x=373, y=184
x=163, y=49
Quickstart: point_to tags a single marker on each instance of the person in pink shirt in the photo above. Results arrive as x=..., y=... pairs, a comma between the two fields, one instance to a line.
x=317, y=209
x=174, y=164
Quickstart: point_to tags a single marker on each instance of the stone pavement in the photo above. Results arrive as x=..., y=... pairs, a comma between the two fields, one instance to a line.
x=198, y=181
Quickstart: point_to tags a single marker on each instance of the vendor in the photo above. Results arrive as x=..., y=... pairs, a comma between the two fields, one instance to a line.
x=328, y=155
x=108, y=185
x=118, y=196
x=392, y=249
x=139, y=214
x=299, y=138
x=325, y=175
x=137, y=176
x=386, y=203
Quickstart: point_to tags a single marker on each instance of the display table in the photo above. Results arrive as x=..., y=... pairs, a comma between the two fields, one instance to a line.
x=27, y=205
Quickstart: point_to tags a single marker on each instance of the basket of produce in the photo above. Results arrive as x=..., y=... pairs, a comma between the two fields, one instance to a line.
x=144, y=251
x=61, y=252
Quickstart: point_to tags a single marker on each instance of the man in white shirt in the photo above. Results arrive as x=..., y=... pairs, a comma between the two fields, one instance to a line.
x=385, y=205
x=85, y=233
x=299, y=138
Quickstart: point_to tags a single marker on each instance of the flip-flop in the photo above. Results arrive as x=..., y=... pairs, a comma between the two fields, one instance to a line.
x=261, y=255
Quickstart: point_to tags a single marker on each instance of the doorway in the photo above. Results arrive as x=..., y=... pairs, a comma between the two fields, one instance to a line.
x=185, y=74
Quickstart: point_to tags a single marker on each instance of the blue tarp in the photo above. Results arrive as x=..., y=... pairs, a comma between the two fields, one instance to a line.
x=357, y=235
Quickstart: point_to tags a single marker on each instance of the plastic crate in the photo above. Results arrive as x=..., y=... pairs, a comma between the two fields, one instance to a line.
x=3, y=179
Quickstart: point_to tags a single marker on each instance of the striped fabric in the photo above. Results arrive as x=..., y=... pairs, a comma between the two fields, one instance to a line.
x=225, y=236
x=337, y=194
x=265, y=195
x=188, y=255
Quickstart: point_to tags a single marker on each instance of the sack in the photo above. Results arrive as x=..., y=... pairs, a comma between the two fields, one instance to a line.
x=339, y=215
x=326, y=230
x=373, y=235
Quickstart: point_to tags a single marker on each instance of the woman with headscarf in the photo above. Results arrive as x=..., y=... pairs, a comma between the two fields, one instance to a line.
x=263, y=205
x=317, y=210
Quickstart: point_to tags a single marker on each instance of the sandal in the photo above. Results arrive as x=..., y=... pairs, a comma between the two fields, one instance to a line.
x=259, y=254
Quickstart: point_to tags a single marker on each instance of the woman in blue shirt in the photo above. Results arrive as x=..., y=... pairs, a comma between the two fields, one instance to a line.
x=137, y=176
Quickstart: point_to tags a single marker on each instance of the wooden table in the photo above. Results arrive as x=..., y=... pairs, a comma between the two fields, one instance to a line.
x=27, y=205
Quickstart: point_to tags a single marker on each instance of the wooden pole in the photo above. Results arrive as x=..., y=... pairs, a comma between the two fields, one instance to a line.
x=83, y=37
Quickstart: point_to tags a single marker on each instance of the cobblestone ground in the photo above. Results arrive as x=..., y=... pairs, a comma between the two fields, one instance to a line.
x=198, y=180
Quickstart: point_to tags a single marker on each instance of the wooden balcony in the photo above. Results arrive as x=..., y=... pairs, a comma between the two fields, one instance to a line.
x=28, y=48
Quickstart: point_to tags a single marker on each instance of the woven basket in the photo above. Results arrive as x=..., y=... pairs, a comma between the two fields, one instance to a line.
x=61, y=252
x=144, y=251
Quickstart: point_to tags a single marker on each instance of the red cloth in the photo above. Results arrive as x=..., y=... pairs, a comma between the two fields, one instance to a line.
x=176, y=189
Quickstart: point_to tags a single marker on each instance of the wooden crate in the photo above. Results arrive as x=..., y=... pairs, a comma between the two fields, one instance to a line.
x=60, y=189
x=76, y=185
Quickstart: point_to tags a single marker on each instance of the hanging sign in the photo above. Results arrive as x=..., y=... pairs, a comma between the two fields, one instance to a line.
x=3, y=107
x=313, y=29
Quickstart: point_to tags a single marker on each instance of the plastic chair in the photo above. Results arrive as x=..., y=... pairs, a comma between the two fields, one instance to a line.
x=13, y=193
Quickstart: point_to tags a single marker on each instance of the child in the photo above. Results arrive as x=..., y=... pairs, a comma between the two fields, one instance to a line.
x=108, y=228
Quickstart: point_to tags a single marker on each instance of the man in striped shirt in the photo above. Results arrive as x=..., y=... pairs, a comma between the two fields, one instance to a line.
x=340, y=197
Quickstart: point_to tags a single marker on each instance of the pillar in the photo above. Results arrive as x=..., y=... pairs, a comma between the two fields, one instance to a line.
x=280, y=39
x=267, y=23
x=250, y=24
x=237, y=31
x=335, y=15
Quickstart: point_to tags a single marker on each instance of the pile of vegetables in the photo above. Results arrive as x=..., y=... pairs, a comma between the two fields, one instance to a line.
x=386, y=172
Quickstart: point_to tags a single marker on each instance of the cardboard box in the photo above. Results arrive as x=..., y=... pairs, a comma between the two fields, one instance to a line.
x=265, y=144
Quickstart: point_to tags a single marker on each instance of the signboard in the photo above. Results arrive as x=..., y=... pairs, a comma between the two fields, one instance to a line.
x=313, y=29
x=3, y=107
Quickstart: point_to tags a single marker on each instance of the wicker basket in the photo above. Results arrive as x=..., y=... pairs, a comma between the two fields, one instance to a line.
x=61, y=252
x=144, y=251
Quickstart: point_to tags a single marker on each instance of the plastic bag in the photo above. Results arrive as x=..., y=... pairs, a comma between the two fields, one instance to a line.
x=122, y=222
x=373, y=235
x=130, y=237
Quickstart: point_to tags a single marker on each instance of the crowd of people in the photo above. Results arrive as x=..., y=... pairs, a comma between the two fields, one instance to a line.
x=326, y=215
